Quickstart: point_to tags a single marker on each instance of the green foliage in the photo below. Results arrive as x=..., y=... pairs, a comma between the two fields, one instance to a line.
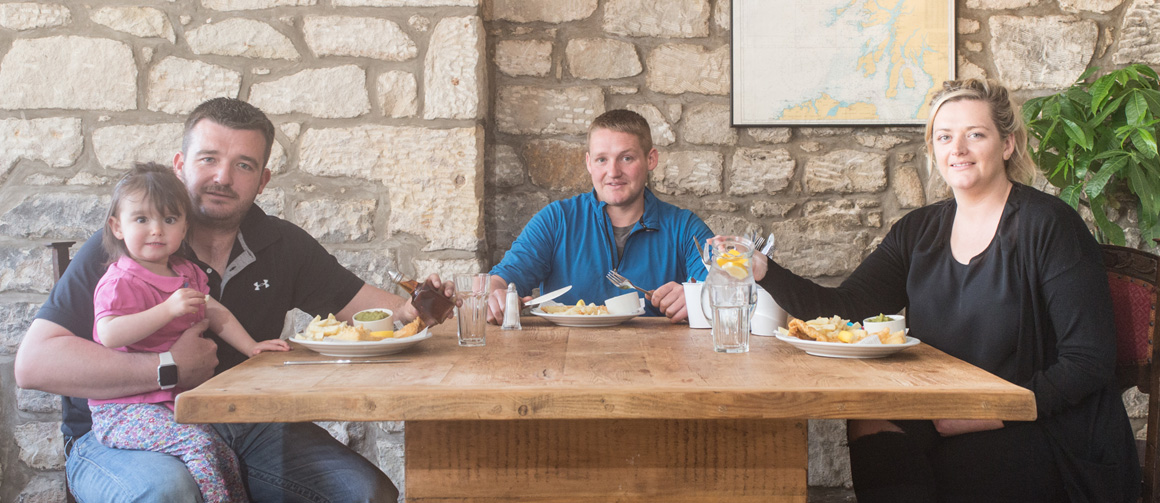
x=1097, y=142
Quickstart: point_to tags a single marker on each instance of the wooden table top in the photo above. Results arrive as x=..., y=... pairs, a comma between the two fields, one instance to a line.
x=645, y=368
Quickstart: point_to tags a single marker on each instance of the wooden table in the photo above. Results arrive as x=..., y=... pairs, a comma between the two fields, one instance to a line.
x=645, y=411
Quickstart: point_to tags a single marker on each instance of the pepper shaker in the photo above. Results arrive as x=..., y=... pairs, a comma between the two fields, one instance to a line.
x=511, y=311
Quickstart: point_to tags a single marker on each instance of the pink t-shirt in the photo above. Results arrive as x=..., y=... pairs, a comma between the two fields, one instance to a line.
x=129, y=288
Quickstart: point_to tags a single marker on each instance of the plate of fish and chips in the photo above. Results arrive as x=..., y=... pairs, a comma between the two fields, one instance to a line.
x=838, y=338
x=582, y=314
x=331, y=337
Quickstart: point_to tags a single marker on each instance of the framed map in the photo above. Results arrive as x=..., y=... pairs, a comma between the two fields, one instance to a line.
x=839, y=62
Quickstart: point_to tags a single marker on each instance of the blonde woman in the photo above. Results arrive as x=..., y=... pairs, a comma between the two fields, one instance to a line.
x=1009, y=279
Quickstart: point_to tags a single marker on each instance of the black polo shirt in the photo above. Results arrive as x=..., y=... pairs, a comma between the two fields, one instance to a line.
x=275, y=266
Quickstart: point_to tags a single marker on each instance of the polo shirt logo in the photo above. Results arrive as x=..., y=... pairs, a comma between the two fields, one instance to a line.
x=258, y=285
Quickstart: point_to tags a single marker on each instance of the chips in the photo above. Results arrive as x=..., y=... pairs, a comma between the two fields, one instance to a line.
x=332, y=329
x=579, y=308
x=836, y=329
x=410, y=329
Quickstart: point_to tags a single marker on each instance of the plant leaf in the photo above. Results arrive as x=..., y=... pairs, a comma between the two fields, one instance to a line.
x=1095, y=185
x=1136, y=109
x=1070, y=195
x=1077, y=133
x=1145, y=143
x=1112, y=232
x=1100, y=89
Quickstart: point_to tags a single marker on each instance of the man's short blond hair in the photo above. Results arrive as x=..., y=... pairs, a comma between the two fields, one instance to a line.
x=624, y=121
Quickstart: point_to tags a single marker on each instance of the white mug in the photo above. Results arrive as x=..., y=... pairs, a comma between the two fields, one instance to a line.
x=768, y=315
x=693, y=306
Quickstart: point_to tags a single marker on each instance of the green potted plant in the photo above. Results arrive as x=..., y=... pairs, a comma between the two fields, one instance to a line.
x=1097, y=143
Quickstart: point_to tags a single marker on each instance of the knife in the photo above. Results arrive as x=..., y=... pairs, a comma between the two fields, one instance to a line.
x=544, y=298
x=322, y=362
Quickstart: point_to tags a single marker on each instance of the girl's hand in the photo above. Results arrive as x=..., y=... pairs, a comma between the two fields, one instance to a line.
x=184, y=301
x=270, y=345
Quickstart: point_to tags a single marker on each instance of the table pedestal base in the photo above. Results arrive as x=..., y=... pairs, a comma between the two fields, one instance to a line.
x=625, y=460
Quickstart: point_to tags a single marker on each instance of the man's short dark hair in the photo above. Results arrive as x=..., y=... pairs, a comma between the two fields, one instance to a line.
x=234, y=114
x=625, y=121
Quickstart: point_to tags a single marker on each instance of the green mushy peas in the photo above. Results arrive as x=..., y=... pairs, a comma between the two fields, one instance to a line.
x=371, y=316
x=879, y=319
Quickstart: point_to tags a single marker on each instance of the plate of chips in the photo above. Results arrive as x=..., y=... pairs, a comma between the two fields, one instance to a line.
x=838, y=338
x=335, y=338
x=581, y=315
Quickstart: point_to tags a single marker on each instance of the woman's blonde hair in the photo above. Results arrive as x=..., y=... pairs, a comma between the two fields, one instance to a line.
x=1007, y=119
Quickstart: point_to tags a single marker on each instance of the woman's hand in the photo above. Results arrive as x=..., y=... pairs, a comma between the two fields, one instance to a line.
x=952, y=427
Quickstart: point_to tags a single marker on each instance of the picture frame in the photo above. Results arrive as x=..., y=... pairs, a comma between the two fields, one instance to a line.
x=839, y=62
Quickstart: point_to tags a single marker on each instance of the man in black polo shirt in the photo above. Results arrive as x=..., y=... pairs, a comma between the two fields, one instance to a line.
x=259, y=267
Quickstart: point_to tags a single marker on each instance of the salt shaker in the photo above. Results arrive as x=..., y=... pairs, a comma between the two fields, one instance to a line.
x=511, y=311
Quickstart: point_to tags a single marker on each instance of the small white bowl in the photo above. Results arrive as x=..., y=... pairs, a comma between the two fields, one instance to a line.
x=897, y=323
x=623, y=304
x=387, y=323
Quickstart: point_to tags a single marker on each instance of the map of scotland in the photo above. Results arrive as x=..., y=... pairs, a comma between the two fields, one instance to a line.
x=840, y=61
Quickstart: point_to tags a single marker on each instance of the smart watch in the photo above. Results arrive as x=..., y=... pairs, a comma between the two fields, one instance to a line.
x=167, y=372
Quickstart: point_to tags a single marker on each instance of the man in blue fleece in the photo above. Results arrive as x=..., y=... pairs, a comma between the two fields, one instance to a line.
x=620, y=225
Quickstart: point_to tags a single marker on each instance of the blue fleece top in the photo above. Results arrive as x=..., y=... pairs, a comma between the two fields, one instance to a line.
x=570, y=242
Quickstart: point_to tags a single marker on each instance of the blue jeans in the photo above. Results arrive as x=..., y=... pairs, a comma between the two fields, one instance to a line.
x=295, y=462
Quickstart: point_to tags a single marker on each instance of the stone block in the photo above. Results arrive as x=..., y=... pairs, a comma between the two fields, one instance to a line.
x=1139, y=38
x=30, y=400
x=696, y=172
x=118, y=147
x=407, y=3
x=967, y=26
x=829, y=240
x=967, y=70
x=34, y=269
x=723, y=14
x=726, y=225
x=557, y=165
x=433, y=177
x=601, y=58
x=21, y=16
x=329, y=93
x=766, y=209
x=659, y=128
x=230, y=5
x=365, y=37
x=445, y=268
x=512, y=211
x=144, y=22
x=454, y=80
x=760, y=171
x=1001, y=4
x=657, y=18
x=879, y=141
x=337, y=220
x=55, y=215
x=241, y=37
x=58, y=72
x=907, y=187
x=770, y=134
x=524, y=57
x=532, y=110
x=41, y=445
x=549, y=11
x=371, y=265
x=44, y=488
x=845, y=172
x=398, y=94
x=685, y=68
x=709, y=124
x=177, y=86
x=57, y=142
x=389, y=452
x=509, y=168
x=1047, y=52
x=829, y=453
x=719, y=206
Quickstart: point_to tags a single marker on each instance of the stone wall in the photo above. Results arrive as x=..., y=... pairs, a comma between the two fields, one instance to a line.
x=422, y=134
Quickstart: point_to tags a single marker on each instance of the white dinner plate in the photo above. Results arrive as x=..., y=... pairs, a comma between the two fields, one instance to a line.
x=363, y=348
x=586, y=320
x=843, y=350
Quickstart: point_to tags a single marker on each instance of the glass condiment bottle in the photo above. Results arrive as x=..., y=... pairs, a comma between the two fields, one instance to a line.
x=432, y=305
x=511, y=311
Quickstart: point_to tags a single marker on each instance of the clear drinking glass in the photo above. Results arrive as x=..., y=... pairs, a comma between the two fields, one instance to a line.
x=471, y=291
x=730, y=304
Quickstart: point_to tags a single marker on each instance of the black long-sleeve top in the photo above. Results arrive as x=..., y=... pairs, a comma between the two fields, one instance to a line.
x=1032, y=308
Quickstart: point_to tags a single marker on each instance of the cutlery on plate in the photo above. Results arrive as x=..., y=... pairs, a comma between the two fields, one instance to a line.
x=623, y=283
x=323, y=362
x=548, y=296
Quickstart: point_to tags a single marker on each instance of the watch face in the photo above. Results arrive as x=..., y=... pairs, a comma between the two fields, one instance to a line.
x=167, y=375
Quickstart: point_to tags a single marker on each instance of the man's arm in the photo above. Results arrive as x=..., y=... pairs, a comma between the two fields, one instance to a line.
x=54, y=360
x=372, y=297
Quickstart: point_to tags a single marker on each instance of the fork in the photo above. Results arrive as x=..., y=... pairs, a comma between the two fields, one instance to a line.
x=623, y=283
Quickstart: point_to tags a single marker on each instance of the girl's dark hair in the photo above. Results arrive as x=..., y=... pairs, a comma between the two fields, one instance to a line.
x=159, y=186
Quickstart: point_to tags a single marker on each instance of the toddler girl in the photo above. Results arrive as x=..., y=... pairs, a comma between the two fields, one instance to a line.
x=148, y=297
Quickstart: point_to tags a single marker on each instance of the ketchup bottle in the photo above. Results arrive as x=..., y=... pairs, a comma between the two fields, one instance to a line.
x=432, y=305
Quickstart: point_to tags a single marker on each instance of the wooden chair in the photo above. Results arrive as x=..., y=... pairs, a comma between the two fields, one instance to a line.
x=60, y=260
x=1134, y=276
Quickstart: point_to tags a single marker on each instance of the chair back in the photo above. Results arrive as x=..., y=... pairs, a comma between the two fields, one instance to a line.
x=1133, y=277
x=60, y=260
